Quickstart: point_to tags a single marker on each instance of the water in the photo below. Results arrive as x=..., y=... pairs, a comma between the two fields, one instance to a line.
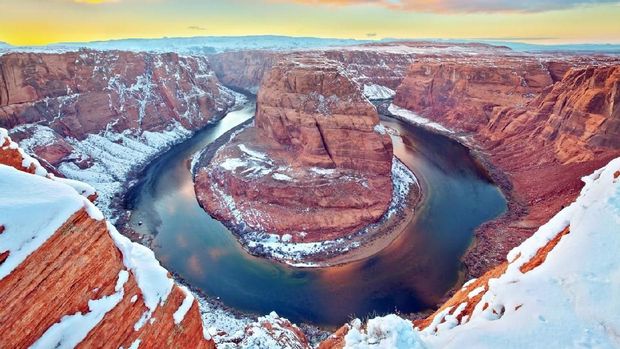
x=411, y=274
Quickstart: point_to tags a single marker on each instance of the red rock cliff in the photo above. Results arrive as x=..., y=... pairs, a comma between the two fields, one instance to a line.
x=542, y=133
x=87, y=92
x=72, y=284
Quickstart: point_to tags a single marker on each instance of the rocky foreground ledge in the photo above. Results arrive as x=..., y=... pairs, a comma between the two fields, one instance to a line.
x=314, y=169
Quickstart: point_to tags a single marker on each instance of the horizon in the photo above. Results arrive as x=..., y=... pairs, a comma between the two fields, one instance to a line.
x=543, y=42
x=552, y=22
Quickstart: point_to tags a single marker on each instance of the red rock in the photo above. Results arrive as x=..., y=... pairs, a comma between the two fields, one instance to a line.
x=539, y=137
x=78, y=263
x=310, y=115
x=88, y=92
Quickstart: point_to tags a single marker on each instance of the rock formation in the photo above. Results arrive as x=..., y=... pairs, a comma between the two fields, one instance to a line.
x=97, y=116
x=538, y=134
x=316, y=164
x=76, y=281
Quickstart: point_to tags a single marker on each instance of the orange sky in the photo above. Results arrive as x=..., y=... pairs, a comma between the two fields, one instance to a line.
x=27, y=22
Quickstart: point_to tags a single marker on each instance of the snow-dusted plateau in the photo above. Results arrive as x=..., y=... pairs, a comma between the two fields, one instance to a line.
x=274, y=192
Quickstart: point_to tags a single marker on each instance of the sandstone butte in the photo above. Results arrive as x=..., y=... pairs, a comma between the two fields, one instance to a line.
x=60, y=292
x=314, y=165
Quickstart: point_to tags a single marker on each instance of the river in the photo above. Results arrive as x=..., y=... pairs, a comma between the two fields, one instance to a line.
x=412, y=274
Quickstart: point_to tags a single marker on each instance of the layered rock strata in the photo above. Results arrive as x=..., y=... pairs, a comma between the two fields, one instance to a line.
x=539, y=135
x=97, y=116
x=316, y=164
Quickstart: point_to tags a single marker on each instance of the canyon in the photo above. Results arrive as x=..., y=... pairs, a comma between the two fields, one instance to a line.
x=314, y=165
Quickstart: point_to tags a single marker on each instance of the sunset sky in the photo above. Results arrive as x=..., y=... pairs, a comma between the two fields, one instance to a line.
x=28, y=22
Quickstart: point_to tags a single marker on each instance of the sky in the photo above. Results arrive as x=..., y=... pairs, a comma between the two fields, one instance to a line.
x=38, y=22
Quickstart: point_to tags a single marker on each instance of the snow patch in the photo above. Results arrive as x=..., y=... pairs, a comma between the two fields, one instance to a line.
x=72, y=329
x=179, y=315
x=412, y=117
x=389, y=331
x=32, y=208
x=378, y=92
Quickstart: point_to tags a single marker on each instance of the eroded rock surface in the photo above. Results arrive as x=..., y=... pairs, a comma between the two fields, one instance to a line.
x=98, y=116
x=541, y=125
x=316, y=164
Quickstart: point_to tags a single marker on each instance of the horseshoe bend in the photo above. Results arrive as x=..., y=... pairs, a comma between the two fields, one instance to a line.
x=286, y=192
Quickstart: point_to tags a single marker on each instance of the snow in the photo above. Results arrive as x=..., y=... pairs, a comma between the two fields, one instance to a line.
x=412, y=117
x=151, y=277
x=72, y=329
x=378, y=92
x=253, y=153
x=115, y=156
x=179, y=315
x=322, y=171
x=475, y=292
x=135, y=344
x=216, y=319
x=271, y=331
x=569, y=301
x=380, y=129
x=281, y=177
x=198, y=45
x=386, y=332
x=82, y=188
x=32, y=208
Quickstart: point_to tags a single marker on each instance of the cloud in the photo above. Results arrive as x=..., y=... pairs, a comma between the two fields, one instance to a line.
x=464, y=6
x=196, y=27
x=371, y=35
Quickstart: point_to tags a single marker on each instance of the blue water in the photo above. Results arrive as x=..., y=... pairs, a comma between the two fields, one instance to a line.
x=410, y=275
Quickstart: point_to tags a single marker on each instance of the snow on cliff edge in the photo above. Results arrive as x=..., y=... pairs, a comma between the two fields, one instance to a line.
x=569, y=300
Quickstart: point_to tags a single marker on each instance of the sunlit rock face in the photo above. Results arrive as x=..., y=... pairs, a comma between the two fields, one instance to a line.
x=315, y=165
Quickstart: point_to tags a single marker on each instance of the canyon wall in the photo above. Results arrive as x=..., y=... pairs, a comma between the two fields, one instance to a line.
x=538, y=134
x=76, y=94
x=99, y=116
x=315, y=165
x=378, y=68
